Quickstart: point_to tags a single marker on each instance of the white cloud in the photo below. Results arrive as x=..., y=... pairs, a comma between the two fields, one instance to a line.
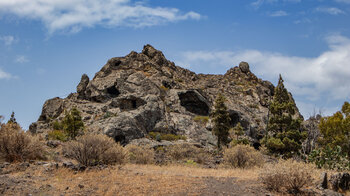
x=21, y=59
x=312, y=79
x=8, y=39
x=258, y=3
x=329, y=10
x=73, y=15
x=4, y=75
x=278, y=13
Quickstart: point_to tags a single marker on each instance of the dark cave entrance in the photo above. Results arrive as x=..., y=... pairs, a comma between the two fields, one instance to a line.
x=194, y=103
x=113, y=91
x=120, y=139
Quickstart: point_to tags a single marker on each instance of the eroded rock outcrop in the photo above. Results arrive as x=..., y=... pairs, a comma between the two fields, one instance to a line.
x=143, y=92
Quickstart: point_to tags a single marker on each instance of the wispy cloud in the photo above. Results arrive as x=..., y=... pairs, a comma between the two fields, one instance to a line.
x=21, y=59
x=278, y=13
x=329, y=10
x=5, y=75
x=73, y=15
x=258, y=3
x=325, y=77
x=8, y=39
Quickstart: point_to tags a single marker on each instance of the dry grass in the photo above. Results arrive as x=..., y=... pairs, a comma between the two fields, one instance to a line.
x=17, y=145
x=140, y=155
x=287, y=176
x=132, y=179
x=187, y=152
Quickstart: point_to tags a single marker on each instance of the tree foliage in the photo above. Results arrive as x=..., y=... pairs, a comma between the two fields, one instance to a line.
x=12, y=119
x=284, y=135
x=335, y=129
x=72, y=123
x=221, y=119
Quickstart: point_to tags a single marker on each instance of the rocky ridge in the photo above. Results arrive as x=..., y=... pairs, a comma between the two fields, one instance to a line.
x=143, y=92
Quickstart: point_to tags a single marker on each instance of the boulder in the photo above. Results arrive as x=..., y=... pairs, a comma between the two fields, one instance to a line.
x=244, y=66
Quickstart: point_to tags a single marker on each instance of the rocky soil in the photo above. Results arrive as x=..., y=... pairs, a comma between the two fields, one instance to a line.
x=143, y=92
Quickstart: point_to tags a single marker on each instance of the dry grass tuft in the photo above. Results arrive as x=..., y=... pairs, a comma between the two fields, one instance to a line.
x=140, y=155
x=187, y=152
x=243, y=156
x=287, y=176
x=17, y=145
x=91, y=150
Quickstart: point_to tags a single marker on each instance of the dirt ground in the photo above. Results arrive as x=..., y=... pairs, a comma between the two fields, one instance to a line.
x=47, y=179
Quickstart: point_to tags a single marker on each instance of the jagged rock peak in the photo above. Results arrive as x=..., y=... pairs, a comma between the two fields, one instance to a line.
x=143, y=92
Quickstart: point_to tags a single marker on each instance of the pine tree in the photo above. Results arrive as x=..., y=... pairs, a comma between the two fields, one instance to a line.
x=221, y=119
x=284, y=135
x=12, y=119
x=72, y=123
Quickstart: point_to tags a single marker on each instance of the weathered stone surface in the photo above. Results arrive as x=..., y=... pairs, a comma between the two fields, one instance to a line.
x=81, y=88
x=340, y=181
x=244, y=66
x=143, y=92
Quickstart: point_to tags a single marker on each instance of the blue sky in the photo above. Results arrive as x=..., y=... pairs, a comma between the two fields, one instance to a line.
x=45, y=46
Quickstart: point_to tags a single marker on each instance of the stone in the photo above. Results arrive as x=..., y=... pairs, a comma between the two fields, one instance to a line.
x=53, y=143
x=84, y=81
x=144, y=92
x=340, y=181
x=244, y=66
x=324, y=181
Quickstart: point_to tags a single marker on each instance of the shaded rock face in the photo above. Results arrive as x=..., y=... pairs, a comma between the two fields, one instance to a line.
x=143, y=92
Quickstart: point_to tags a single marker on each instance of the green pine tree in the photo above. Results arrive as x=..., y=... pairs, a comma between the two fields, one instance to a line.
x=284, y=135
x=221, y=120
x=72, y=123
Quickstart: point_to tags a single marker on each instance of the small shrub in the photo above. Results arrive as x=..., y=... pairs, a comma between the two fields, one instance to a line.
x=330, y=158
x=57, y=135
x=91, y=150
x=73, y=123
x=17, y=145
x=168, y=137
x=140, y=155
x=201, y=119
x=187, y=152
x=243, y=156
x=286, y=176
x=56, y=125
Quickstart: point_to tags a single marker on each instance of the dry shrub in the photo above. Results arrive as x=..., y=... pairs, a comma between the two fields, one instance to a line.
x=93, y=149
x=243, y=156
x=17, y=145
x=287, y=176
x=140, y=155
x=187, y=151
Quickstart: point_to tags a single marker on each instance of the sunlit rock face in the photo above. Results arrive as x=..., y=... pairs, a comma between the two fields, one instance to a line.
x=143, y=92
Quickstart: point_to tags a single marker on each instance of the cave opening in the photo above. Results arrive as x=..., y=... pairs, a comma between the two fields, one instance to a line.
x=120, y=139
x=113, y=91
x=194, y=103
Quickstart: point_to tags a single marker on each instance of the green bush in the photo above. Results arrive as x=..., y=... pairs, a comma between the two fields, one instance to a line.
x=187, y=152
x=73, y=123
x=168, y=137
x=330, y=158
x=56, y=125
x=57, y=135
x=201, y=119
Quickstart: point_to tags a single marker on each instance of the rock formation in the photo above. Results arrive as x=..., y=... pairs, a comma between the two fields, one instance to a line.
x=143, y=92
